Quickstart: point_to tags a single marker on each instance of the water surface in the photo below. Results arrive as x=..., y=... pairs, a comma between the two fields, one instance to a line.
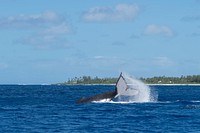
x=47, y=108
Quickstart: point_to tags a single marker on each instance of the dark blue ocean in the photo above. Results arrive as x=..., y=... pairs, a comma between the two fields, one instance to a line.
x=51, y=108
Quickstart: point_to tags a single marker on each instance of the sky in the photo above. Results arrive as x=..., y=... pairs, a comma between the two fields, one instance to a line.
x=45, y=42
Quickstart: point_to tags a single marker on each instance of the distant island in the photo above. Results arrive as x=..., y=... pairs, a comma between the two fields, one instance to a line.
x=193, y=79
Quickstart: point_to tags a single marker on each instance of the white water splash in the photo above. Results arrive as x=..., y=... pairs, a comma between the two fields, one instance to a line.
x=144, y=91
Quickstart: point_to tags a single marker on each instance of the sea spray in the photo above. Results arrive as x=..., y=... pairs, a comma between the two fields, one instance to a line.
x=144, y=92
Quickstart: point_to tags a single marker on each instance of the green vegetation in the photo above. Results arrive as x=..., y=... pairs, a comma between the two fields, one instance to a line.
x=194, y=79
x=90, y=80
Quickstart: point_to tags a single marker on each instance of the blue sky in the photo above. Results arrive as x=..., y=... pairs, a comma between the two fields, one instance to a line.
x=51, y=41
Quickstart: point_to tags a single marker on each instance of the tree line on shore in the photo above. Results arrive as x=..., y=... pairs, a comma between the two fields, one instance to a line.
x=193, y=79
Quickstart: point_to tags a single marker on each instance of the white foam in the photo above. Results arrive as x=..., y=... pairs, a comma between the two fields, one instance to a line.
x=145, y=94
x=120, y=102
x=103, y=101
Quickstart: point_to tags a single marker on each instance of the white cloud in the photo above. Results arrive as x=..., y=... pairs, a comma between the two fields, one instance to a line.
x=57, y=29
x=46, y=41
x=121, y=12
x=158, y=30
x=99, y=57
x=49, y=29
x=52, y=37
x=23, y=21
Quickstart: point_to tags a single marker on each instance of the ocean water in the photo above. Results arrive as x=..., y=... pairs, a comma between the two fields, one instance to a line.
x=48, y=108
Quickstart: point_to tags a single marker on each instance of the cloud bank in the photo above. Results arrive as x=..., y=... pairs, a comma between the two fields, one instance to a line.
x=48, y=28
x=23, y=21
x=121, y=12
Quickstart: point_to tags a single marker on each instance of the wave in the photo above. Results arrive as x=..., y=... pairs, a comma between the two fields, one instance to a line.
x=158, y=102
x=120, y=102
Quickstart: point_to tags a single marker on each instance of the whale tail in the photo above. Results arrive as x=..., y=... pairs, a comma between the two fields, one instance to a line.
x=121, y=87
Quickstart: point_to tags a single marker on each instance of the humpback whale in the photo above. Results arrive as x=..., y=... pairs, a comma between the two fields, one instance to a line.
x=106, y=95
x=121, y=88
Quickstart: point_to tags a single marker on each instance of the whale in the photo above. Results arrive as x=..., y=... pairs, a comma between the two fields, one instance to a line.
x=121, y=89
x=106, y=95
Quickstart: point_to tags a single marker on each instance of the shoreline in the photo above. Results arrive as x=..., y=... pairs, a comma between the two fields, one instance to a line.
x=105, y=84
x=173, y=84
x=145, y=84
